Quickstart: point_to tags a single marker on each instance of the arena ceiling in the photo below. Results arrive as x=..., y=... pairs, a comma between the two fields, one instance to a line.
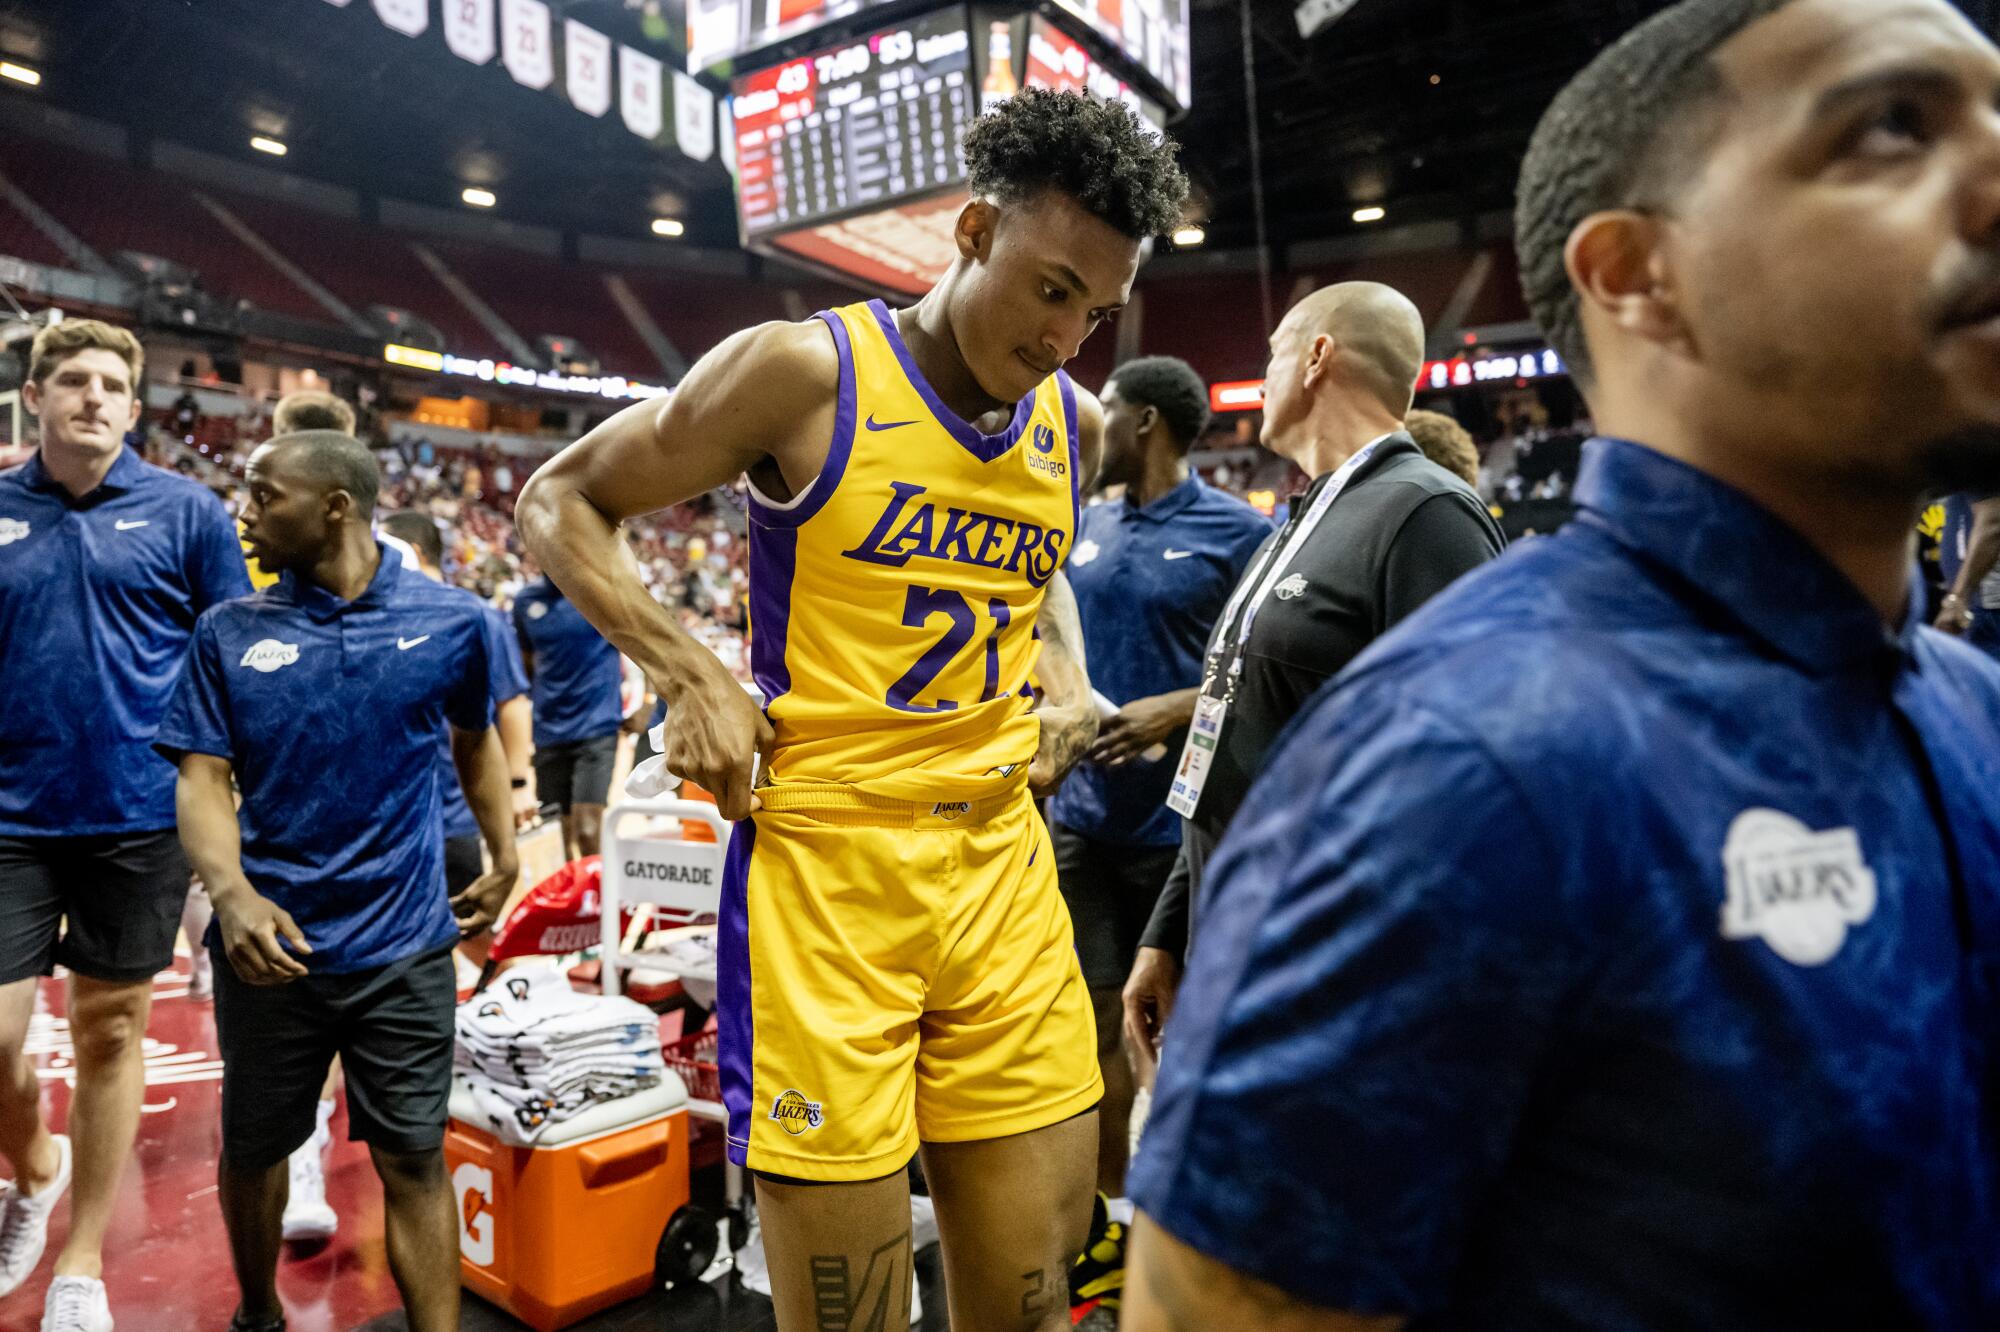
x=1420, y=106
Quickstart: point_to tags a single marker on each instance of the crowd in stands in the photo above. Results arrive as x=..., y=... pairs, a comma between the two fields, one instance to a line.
x=693, y=557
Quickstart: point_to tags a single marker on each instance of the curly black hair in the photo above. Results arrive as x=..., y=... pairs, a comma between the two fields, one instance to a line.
x=1634, y=126
x=1095, y=151
x=1170, y=386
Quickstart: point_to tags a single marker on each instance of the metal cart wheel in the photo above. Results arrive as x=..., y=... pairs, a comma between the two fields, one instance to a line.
x=687, y=1247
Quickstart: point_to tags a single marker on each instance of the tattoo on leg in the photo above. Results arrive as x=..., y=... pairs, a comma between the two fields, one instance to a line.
x=1039, y=1297
x=879, y=1301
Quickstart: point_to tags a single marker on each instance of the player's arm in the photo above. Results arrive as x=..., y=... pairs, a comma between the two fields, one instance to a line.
x=1170, y=1287
x=251, y=925
x=1143, y=723
x=1068, y=714
x=757, y=395
x=1982, y=552
x=516, y=723
x=482, y=773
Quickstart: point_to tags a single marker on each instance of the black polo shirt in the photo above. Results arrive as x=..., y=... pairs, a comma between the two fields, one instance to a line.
x=1399, y=533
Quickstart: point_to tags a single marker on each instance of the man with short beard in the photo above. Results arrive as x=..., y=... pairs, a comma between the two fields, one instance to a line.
x=1615, y=944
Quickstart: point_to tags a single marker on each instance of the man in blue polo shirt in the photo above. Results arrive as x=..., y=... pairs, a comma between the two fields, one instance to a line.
x=104, y=564
x=1151, y=573
x=574, y=673
x=1615, y=944
x=1969, y=559
x=323, y=696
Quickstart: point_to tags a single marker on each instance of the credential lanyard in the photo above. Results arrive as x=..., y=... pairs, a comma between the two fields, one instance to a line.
x=1257, y=585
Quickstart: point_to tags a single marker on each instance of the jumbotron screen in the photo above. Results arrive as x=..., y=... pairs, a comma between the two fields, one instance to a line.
x=874, y=121
x=1153, y=34
x=719, y=31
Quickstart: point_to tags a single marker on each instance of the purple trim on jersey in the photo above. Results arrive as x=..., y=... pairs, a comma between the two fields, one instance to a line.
x=983, y=447
x=774, y=558
x=1067, y=387
x=837, y=450
x=735, y=1025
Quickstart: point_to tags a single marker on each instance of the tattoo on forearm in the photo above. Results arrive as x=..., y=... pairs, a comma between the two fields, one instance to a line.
x=880, y=1300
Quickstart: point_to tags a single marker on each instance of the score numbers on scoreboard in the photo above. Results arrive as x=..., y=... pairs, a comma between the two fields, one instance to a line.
x=854, y=125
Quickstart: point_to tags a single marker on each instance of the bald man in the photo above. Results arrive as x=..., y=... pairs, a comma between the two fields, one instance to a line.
x=1381, y=531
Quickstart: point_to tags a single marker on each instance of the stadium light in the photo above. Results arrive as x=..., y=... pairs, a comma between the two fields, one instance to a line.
x=1189, y=237
x=264, y=145
x=1370, y=214
x=477, y=197
x=667, y=226
x=20, y=73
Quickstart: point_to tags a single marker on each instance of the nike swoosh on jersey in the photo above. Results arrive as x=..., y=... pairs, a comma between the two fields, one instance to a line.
x=873, y=424
x=124, y=526
x=405, y=644
x=1176, y=554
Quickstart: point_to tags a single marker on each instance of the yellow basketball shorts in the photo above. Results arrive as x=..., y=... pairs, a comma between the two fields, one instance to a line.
x=890, y=973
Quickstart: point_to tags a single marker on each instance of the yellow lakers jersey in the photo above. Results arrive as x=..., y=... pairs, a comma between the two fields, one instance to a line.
x=893, y=600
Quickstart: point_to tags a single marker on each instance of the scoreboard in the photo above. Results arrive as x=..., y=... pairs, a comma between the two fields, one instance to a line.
x=868, y=122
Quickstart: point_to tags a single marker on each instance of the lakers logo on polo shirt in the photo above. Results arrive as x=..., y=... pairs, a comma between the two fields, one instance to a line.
x=1796, y=889
x=269, y=654
x=794, y=1113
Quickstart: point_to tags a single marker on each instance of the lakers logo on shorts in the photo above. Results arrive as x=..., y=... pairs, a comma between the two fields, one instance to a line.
x=951, y=810
x=794, y=1113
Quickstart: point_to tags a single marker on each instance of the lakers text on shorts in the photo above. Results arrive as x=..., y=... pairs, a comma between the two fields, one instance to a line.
x=892, y=973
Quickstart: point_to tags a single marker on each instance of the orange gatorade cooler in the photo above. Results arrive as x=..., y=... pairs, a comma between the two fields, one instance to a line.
x=592, y=1215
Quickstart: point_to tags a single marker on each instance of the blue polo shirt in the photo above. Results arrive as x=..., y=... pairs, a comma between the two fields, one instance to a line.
x=510, y=681
x=1614, y=945
x=97, y=598
x=576, y=676
x=1150, y=584
x=1984, y=631
x=329, y=712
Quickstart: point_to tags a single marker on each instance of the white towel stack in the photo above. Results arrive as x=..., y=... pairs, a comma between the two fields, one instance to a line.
x=532, y=1052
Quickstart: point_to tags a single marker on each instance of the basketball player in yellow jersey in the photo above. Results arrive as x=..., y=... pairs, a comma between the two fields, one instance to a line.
x=896, y=964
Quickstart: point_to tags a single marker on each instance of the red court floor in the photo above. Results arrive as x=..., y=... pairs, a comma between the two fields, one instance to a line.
x=167, y=1263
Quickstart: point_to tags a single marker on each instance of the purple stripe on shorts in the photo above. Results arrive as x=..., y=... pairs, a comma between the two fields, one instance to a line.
x=735, y=1028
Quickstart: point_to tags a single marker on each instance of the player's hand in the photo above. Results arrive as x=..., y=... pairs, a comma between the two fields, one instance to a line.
x=1954, y=616
x=712, y=731
x=255, y=934
x=1149, y=1001
x=480, y=905
x=527, y=805
x=1067, y=734
x=1139, y=725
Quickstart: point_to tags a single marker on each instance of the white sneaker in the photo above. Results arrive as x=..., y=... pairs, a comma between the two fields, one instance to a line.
x=76, y=1304
x=201, y=975
x=24, y=1222
x=308, y=1216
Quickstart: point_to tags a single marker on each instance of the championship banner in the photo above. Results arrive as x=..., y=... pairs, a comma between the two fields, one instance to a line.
x=525, y=40
x=587, y=68
x=468, y=29
x=409, y=17
x=640, y=100
x=694, y=118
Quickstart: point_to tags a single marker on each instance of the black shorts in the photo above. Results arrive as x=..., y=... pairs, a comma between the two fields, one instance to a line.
x=106, y=906
x=1110, y=890
x=464, y=862
x=575, y=772
x=392, y=1028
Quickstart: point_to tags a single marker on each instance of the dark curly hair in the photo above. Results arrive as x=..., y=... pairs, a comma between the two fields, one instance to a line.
x=1170, y=386
x=1095, y=151
x=1629, y=130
